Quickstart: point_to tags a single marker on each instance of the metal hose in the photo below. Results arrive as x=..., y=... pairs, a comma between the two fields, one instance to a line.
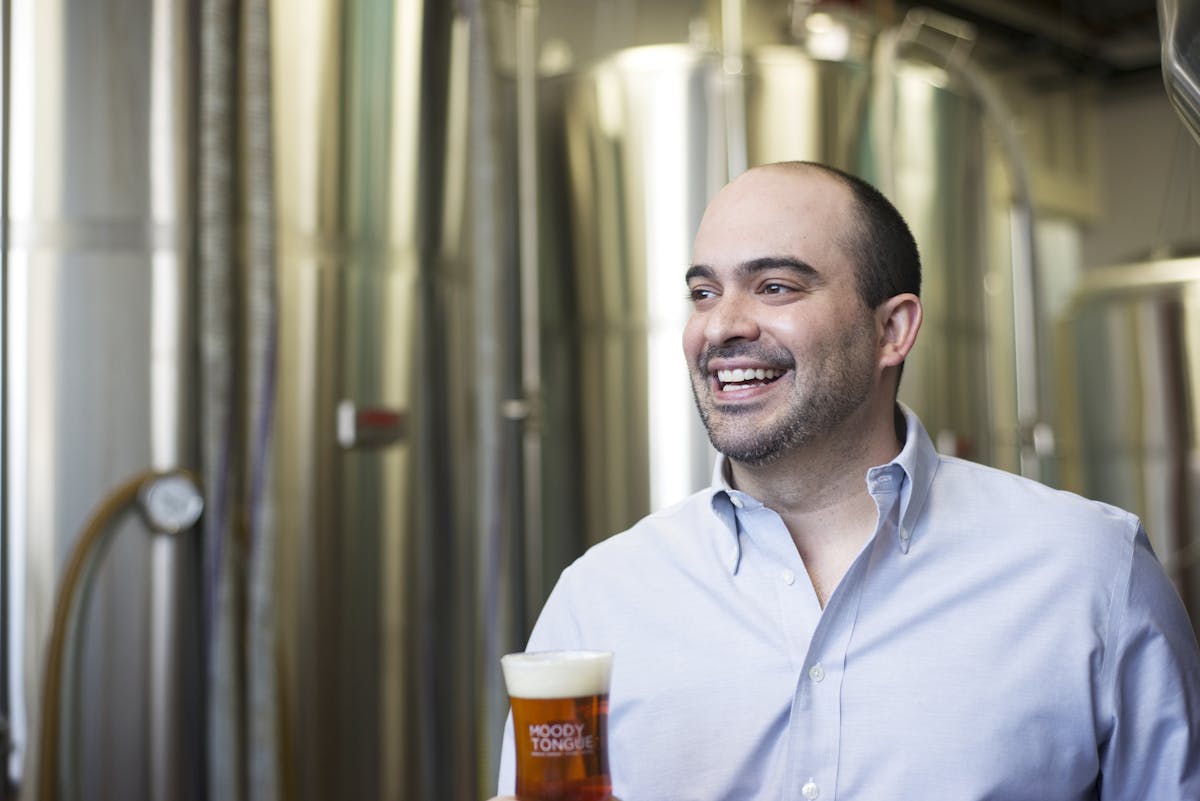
x=260, y=325
x=176, y=512
x=218, y=337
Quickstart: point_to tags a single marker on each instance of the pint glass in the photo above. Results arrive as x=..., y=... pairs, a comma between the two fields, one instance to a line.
x=560, y=723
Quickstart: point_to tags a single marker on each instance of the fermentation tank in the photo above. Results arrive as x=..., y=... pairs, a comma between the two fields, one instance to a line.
x=646, y=151
x=98, y=387
x=1130, y=363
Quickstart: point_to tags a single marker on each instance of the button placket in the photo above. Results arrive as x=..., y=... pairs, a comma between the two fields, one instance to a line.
x=815, y=723
x=776, y=562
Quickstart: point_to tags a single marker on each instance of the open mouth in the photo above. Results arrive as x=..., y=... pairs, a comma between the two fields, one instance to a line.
x=739, y=378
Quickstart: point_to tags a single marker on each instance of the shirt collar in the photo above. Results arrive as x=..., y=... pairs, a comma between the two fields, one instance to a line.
x=913, y=469
x=723, y=498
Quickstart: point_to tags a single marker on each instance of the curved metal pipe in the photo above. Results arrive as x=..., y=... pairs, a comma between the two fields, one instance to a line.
x=1179, y=29
x=1035, y=436
x=170, y=503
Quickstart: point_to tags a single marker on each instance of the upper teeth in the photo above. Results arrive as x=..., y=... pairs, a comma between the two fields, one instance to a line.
x=733, y=376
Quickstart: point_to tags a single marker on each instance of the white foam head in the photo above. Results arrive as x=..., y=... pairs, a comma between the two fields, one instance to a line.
x=557, y=674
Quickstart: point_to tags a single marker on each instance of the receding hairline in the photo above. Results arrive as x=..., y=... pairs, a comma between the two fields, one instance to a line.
x=852, y=232
x=795, y=168
x=855, y=231
x=800, y=167
x=807, y=168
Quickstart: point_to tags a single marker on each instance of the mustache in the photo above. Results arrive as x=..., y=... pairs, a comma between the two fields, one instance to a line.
x=774, y=357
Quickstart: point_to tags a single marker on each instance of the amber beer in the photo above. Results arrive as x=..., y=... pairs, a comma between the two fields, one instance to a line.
x=560, y=723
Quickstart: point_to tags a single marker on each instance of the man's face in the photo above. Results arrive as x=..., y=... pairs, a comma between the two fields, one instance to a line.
x=781, y=348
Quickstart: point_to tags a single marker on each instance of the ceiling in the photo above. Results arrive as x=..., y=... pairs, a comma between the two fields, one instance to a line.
x=1110, y=39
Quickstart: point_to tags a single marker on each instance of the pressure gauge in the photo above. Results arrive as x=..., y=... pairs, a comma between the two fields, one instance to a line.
x=171, y=502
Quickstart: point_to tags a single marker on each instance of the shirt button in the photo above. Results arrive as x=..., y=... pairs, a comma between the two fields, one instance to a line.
x=810, y=790
x=788, y=577
x=816, y=673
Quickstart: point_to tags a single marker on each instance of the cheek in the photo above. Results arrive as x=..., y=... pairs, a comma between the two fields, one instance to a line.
x=693, y=338
x=787, y=328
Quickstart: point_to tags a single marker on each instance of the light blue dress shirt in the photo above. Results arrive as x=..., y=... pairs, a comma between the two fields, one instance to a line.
x=994, y=639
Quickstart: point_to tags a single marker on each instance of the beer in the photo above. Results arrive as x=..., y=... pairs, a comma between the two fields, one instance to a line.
x=560, y=723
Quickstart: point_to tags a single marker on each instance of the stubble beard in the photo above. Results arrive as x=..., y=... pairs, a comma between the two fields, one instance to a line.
x=826, y=391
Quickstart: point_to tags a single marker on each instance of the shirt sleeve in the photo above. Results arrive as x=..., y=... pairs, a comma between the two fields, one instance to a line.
x=1153, y=747
x=556, y=629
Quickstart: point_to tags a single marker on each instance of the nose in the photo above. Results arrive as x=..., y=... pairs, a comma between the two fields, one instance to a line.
x=731, y=319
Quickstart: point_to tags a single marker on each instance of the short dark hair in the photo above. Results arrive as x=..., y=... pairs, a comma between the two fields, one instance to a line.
x=888, y=262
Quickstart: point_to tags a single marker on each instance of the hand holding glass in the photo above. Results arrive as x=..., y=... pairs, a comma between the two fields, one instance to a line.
x=560, y=723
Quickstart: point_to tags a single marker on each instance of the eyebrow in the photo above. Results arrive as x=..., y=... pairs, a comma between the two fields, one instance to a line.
x=762, y=264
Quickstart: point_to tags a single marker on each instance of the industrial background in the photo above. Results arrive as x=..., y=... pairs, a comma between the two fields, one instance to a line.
x=334, y=329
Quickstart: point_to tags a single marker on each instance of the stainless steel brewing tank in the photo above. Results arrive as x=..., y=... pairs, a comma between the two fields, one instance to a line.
x=1130, y=433
x=646, y=151
x=97, y=384
x=376, y=660
x=799, y=107
x=956, y=377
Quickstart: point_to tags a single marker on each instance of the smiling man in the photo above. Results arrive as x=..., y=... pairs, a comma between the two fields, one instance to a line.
x=775, y=287
x=845, y=614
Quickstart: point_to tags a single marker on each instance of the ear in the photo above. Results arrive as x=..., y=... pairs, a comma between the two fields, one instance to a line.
x=897, y=319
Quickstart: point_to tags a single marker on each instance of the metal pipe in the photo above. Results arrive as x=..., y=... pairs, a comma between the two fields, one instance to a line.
x=218, y=338
x=531, y=358
x=168, y=385
x=494, y=613
x=6, y=684
x=733, y=61
x=883, y=101
x=1179, y=28
x=260, y=325
x=1035, y=436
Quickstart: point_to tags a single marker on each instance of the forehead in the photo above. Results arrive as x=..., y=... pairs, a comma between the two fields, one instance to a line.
x=797, y=212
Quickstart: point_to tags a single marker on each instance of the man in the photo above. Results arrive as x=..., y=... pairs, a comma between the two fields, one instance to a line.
x=844, y=614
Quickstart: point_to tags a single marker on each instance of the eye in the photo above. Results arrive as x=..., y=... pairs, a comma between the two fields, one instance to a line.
x=777, y=288
x=699, y=293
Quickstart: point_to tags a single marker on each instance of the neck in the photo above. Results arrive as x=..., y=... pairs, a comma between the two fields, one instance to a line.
x=823, y=483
